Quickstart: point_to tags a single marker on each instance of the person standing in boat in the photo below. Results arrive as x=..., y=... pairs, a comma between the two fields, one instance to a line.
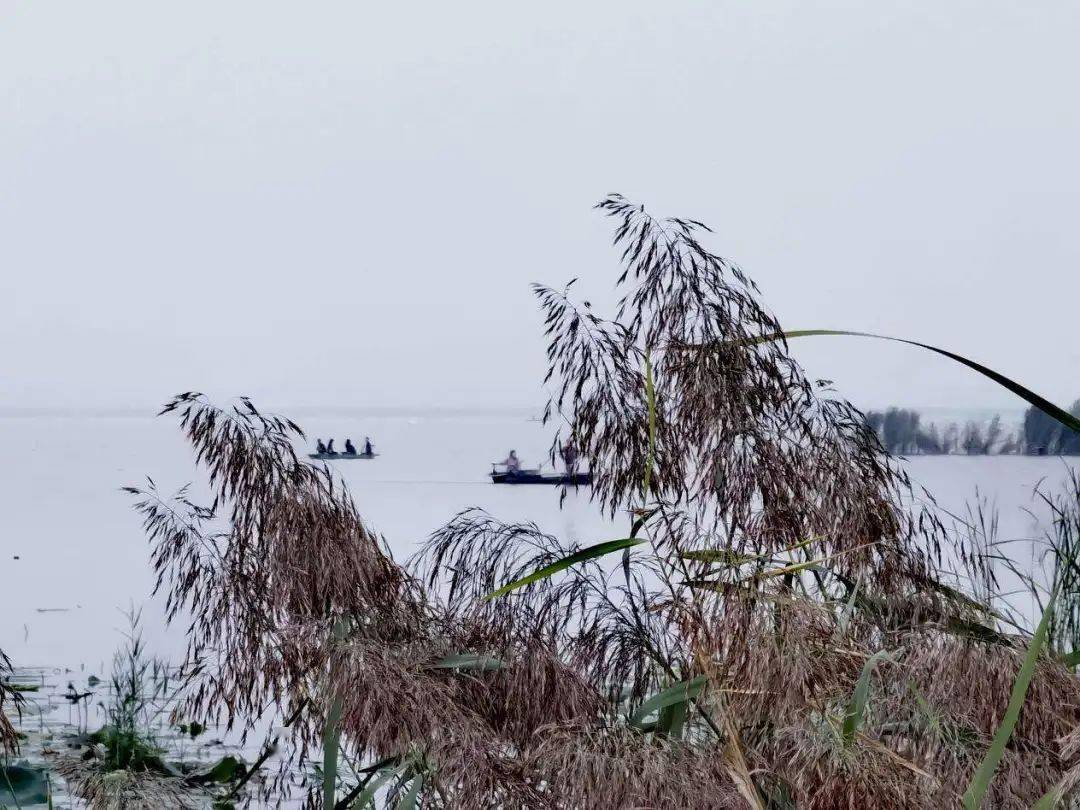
x=320, y=448
x=512, y=462
x=569, y=455
x=368, y=449
x=349, y=448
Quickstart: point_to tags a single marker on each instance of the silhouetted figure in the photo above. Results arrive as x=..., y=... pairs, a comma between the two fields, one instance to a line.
x=349, y=448
x=368, y=449
x=330, y=446
x=512, y=462
x=569, y=456
x=319, y=446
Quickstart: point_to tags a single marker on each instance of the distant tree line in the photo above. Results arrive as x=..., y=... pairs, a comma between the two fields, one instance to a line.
x=902, y=432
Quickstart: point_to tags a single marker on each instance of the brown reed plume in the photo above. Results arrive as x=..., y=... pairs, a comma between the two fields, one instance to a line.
x=782, y=556
x=779, y=632
x=266, y=570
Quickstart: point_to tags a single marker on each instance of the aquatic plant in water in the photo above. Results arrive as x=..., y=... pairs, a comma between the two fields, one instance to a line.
x=123, y=763
x=139, y=693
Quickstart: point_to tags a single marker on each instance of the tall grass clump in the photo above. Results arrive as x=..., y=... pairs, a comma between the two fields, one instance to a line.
x=1062, y=556
x=122, y=764
x=139, y=693
x=772, y=628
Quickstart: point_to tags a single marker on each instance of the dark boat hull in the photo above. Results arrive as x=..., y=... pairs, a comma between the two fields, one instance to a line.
x=580, y=479
x=341, y=456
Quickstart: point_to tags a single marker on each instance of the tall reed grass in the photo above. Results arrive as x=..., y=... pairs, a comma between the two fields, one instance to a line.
x=775, y=627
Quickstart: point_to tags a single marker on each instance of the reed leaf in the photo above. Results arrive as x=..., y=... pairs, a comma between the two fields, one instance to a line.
x=385, y=775
x=331, y=740
x=680, y=693
x=1071, y=659
x=408, y=801
x=332, y=735
x=808, y=565
x=589, y=553
x=671, y=720
x=793, y=568
x=1050, y=799
x=857, y=705
x=1044, y=405
x=980, y=782
x=849, y=608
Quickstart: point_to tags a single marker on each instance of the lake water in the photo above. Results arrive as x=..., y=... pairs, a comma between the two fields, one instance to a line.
x=82, y=557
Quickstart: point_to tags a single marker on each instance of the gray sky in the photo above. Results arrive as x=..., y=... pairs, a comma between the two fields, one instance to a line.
x=344, y=203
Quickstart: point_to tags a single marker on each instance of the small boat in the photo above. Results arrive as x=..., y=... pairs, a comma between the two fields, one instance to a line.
x=340, y=456
x=576, y=479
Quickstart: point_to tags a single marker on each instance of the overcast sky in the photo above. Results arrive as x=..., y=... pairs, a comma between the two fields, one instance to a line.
x=344, y=203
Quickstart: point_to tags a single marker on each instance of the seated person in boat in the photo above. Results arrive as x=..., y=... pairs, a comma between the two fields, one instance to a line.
x=330, y=447
x=368, y=449
x=320, y=448
x=512, y=462
x=350, y=449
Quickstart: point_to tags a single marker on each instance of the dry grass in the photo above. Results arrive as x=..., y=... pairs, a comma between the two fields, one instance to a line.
x=128, y=789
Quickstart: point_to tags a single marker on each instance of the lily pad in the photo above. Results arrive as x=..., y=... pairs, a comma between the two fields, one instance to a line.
x=225, y=770
x=22, y=785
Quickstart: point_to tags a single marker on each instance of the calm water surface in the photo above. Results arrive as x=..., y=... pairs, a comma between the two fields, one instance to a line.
x=82, y=557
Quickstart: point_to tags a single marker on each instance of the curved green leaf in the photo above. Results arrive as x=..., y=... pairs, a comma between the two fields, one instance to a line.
x=1071, y=659
x=408, y=801
x=331, y=737
x=385, y=775
x=599, y=550
x=1049, y=800
x=1044, y=405
x=224, y=770
x=980, y=782
x=857, y=705
x=671, y=720
x=673, y=695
